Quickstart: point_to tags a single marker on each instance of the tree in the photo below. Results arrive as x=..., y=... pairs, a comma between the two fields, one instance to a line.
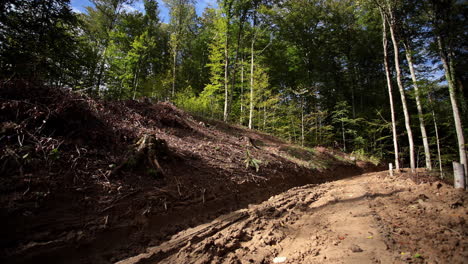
x=443, y=22
x=38, y=40
x=409, y=27
x=390, y=86
x=217, y=60
x=389, y=11
x=182, y=14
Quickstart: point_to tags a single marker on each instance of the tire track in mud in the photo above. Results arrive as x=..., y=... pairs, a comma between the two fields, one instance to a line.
x=261, y=223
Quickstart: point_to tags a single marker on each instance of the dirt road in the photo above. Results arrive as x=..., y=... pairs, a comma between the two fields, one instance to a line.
x=371, y=218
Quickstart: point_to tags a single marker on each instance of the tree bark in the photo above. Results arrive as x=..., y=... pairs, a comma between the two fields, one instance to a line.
x=427, y=152
x=458, y=175
x=436, y=128
x=174, y=61
x=302, y=122
x=226, y=76
x=251, y=82
x=344, y=137
x=390, y=94
x=242, y=93
x=391, y=22
x=456, y=113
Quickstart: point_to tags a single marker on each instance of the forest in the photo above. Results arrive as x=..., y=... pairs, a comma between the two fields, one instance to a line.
x=233, y=131
x=374, y=77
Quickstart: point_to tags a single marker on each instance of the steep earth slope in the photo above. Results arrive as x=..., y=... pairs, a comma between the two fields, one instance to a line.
x=86, y=181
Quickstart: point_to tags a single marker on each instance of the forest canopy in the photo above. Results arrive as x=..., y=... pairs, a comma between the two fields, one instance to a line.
x=385, y=78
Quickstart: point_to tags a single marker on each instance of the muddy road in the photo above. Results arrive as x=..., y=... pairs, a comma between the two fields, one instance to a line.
x=371, y=218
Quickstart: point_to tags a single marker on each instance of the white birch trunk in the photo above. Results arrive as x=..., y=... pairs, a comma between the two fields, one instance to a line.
x=438, y=144
x=427, y=152
x=390, y=94
x=453, y=100
x=242, y=94
x=401, y=88
x=226, y=80
x=251, y=83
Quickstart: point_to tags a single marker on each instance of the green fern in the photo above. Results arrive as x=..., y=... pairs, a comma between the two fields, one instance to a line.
x=251, y=161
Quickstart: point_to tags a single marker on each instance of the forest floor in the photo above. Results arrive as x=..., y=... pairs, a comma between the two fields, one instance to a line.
x=371, y=218
x=74, y=188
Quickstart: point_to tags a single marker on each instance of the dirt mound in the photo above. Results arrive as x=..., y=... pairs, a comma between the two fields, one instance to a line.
x=163, y=114
x=73, y=180
x=52, y=112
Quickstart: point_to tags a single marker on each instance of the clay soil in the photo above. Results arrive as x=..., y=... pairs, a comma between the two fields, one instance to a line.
x=62, y=200
x=371, y=218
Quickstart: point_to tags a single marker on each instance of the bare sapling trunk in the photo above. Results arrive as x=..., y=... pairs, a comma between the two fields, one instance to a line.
x=391, y=21
x=438, y=144
x=427, y=152
x=456, y=113
x=390, y=94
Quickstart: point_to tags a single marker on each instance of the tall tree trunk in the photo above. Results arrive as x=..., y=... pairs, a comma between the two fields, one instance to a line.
x=252, y=54
x=344, y=137
x=456, y=113
x=242, y=93
x=302, y=122
x=101, y=69
x=391, y=21
x=316, y=129
x=135, y=78
x=390, y=94
x=236, y=59
x=174, y=61
x=226, y=80
x=427, y=152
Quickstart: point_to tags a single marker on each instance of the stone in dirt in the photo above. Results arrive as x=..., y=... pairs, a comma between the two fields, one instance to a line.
x=355, y=248
x=279, y=259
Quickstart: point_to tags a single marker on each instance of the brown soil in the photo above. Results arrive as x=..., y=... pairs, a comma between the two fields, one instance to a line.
x=61, y=201
x=371, y=218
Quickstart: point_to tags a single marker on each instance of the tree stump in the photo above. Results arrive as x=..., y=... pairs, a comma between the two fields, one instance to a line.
x=147, y=151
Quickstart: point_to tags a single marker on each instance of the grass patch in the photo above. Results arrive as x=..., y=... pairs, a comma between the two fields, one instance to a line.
x=301, y=153
x=361, y=155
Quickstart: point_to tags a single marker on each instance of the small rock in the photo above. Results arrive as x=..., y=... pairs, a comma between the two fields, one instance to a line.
x=355, y=248
x=279, y=259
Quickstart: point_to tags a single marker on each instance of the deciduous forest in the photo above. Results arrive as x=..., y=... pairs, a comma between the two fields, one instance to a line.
x=365, y=76
x=120, y=122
